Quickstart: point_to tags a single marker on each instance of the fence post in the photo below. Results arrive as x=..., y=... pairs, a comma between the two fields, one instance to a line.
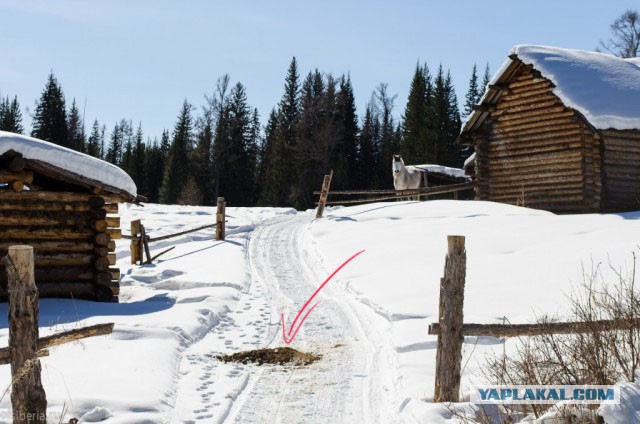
x=220, y=218
x=135, y=241
x=28, y=399
x=324, y=193
x=450, y=339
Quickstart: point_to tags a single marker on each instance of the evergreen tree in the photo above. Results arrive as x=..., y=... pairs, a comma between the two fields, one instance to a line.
x=486, y=79
x=50, y=117
x=282, y=175
x=155, y=159
x=10, y=116
x=176, y=171
x=75, y=131
x=473, y=94
x=387, y=141
x=114, y=152
x=201, y=161
x=346, y=151
x=137, y=164
x=95, y=141
x=418, y=141
x=447, y=121
x=267, y=192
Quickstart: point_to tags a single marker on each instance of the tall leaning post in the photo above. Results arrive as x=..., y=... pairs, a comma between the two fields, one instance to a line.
x=450, y=339
x=135, y=242
x=324, y=193
x=220, y=219
x=28, y=399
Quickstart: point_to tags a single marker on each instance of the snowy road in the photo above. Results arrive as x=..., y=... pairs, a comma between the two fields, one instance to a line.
x=352, y=383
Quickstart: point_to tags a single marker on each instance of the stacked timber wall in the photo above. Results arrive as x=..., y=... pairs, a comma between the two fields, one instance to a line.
x=533, y=151
x=621, y=170
x=73, y=238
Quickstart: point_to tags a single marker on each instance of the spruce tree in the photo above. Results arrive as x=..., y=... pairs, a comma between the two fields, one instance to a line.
x=95, y=140
x=486, y=79
x=176, y=171
x=473, y=93
x=447, y=121
x=266, y=190
x=154, y=170
x=202, y=157
x=50, y=116
x=10, y=116
x=137, y=164
x=387, y=141
x=75, y=131
x=114, y=152
x=346, y=128
x=418, y=141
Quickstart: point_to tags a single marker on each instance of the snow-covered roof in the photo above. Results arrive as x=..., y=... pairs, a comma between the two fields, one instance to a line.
x=605, y=89
x=86, y=167
x=443, y=170
x=469, y=159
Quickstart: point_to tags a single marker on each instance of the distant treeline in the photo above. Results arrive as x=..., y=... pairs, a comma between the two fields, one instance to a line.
x=223, y=150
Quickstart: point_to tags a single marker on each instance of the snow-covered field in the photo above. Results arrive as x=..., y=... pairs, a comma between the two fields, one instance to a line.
x=205, y=298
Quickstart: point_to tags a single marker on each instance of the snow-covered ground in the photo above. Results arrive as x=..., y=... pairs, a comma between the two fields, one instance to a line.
x=205, y=298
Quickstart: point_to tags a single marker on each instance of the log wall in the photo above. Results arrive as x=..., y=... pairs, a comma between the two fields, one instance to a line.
x=621, y=170
x=533, y=151
x=72, y=237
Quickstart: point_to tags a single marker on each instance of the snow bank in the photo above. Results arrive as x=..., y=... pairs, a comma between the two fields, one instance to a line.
x=78, y=163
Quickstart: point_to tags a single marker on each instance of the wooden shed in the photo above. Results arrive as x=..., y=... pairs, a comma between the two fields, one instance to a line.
x=65, y=205
x=559, y=129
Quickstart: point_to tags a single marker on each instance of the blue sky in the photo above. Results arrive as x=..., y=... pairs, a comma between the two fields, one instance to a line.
x=139, y=59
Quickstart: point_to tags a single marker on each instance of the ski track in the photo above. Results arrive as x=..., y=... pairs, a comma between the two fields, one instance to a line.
x=353, y=382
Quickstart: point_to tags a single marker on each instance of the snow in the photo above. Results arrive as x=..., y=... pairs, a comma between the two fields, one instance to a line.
x=443, y=170
x=205, y=298
x=78, y=163
x=604, y=88
x=469, y=159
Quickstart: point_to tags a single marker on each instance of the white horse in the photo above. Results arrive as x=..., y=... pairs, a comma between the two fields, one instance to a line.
x=405, y=177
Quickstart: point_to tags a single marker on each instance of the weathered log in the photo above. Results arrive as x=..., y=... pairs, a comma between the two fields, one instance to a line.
x=28, y=399
x=450, y=339
x=46, y=233
x=100, y=226
x=16, y=186
x=16, y=164
x=43, y=219
x=324, y=192
x=39, y=205
x=49, y=196
x=25, y=177
x=102, y=239
x=101, y=264
x=104, y=278
x=96, y=202
x=115, y=274
x=111, y=208
x=54, y=246
x=74, y=290
x=113, y=221
x=101, y=251
x=62, y=338
x=220, y=219
x=537, y=329
x=134, y=246
x=111, y=257
x=99, y=213
x=114, y=233
x=60, y=274
x=63, y=259
x=111, y=245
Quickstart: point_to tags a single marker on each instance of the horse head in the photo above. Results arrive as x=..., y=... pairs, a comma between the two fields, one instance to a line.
x=397, y=164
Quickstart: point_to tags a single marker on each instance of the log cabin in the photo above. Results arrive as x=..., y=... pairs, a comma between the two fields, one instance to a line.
x=559, y=129
x=64, y=204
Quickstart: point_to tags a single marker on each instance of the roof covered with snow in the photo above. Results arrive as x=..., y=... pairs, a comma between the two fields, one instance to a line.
x=443, y=170
x=86, y=168
x=605, y=89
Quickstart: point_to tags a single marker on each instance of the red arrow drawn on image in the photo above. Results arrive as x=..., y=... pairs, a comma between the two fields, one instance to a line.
x=288, y=337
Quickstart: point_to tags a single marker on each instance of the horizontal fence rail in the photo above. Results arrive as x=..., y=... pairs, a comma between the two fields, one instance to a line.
x=395, y=194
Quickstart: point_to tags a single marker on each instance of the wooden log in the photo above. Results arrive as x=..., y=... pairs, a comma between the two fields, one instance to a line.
x=324, y=193
x=96, y=202
x=28, y=399
x=144, y=241
x=16, y=186
x=540, y=115
x=60, y=274
x=101, y=251
x=74, y=290
x=114, y=233
x=101, y=264
x=537, y=329
x=111, y=208
x=113, y=221
x=220, y=219
x=450, y=339
x=49, y=196
x=104, y=278
x=62, y=338
x=43, y=219
x=115, y=274
x=102, y=239
x=63, y=259
x=111, y=246
x=100, y=226
x=99, y=214
x=169, y=236
x=134, y=246
x=35, y=233
x=54, y=246
x=111, y=257
x=16, y=164
x=25, y=177
x=39, y=205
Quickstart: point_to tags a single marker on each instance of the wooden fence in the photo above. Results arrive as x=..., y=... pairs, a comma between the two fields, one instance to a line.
x=451, y=330
x=370, y=196
x=140, y=239
x=28, y=398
